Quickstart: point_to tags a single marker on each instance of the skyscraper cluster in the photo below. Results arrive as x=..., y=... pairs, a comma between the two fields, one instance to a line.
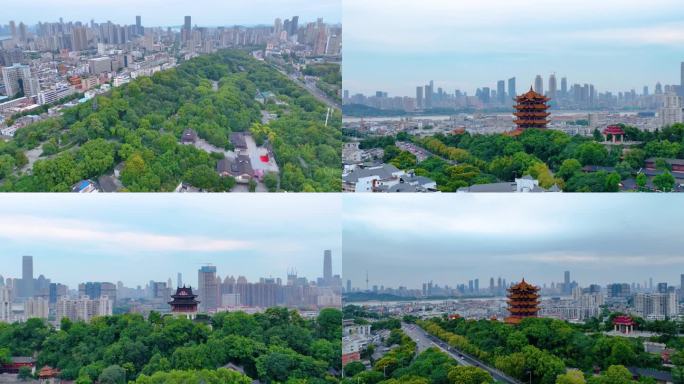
x=577, y=96
x=215, y=293
x=39, y=297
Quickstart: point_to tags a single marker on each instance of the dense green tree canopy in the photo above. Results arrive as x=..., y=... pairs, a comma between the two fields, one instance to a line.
x=140, y=124
x=274, y=346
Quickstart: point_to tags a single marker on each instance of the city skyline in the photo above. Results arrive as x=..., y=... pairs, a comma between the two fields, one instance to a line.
x=574, y=40
x=203, y=12
x=73, y=240
x=451, y=240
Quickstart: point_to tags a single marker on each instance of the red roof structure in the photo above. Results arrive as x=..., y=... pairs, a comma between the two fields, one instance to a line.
x=623, y=324
x=47, y=372
x=623, y=320
x=523, y=301
x=613, y=130
x=531, y=110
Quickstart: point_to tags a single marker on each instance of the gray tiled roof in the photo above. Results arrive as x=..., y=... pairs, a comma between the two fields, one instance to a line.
x=492, y=187
x=384, y=172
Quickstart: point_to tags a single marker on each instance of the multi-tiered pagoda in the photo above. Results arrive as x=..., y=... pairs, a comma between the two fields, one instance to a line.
x=184, y=302
x=531, y=110
x=523, y=301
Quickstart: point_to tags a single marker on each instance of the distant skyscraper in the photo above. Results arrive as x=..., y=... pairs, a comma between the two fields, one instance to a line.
x=658, y=88
x=22, y=32
x=138, y=25
x=294, y=25
x=501, y=91
x=539, y=85
x=179, y=280
x=207, y=288
x=428, y=94
x=564, y=86
x=485, y=95
x=552, y=86
x=187, y=29
x=645, y=91
x=327, y=266
x=566, y=282
x=277, y=26
x=349, y=287
x=419, y=97
x=13, y=29
x=27, y=276
x=511, y=88
x=681, y=80
x=662, y=287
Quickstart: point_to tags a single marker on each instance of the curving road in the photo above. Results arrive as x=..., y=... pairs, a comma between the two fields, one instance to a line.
x=424, y=341
x=311, y=88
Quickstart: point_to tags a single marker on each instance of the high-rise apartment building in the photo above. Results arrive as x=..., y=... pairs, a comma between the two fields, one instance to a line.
x=656, y=306
x=79, y=39
x=5, y=304
x=681, y=80
x=671, y=111
x=83, y=308
x=36, y=307
x=18, y=78
x=207, y=288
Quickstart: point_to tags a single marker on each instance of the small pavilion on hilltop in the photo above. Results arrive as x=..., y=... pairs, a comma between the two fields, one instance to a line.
x=184, y=303
x=49, y=375
x=614, y=133
x=623, y=324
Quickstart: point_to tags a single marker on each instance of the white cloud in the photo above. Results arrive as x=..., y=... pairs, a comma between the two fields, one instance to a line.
x=464, y=215
x=498, y=25
x=601, y=260
x=85, y=233
x=665, y=34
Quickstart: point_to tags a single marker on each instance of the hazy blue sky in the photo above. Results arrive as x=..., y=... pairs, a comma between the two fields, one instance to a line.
x=140, y=237
x=451, y=238
x=171, y=12
x=395, y=45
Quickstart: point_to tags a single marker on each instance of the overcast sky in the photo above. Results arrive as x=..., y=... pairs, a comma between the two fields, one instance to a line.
x=136, y=238
x=395, y=45
x=452, y=238
x=171, y=12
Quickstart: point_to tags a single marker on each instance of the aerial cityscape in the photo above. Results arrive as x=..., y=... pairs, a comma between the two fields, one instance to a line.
x=220, y=192
x=97, y=106
x=524, y=296
x=428, y=111
x=168, y=294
